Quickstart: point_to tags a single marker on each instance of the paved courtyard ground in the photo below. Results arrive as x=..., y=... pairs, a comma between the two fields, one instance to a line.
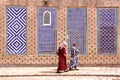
x=49, y=73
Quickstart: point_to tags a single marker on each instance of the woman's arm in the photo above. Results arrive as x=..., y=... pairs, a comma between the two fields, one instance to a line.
x=64, y=52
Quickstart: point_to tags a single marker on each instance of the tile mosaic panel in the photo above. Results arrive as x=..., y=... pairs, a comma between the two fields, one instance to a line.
x=77, y=28
x=16, y=30
x=46, y=33
x=107, y=30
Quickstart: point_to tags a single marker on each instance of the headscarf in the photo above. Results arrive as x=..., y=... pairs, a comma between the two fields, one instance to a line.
x=63, y=43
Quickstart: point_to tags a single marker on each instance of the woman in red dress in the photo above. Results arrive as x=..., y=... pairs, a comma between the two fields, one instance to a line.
x=62, y=63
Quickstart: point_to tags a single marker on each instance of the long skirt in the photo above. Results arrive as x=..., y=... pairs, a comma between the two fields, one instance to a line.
x=62, y=64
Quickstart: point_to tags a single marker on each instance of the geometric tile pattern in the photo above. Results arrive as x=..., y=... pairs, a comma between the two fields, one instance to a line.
x=46, y=33
x=16, y=30
x=77, y=28
x=107, y=30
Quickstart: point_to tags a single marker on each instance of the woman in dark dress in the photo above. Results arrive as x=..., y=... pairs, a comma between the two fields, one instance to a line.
x=62, y=63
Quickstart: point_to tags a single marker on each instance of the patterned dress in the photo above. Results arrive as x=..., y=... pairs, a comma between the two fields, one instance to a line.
x=74, y=58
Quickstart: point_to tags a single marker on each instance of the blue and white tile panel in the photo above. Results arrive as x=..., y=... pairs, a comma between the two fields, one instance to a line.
x=77, y=28
x=46, y=33
x=107, y=24
x=16, y=30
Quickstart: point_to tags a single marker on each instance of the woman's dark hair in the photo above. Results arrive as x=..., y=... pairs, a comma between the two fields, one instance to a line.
x=74, y=44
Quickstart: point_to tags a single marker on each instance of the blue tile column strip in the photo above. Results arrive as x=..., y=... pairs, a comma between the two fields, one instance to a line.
x=107, y=30
x=77, y=27
x=16, y=30
x=46, y=33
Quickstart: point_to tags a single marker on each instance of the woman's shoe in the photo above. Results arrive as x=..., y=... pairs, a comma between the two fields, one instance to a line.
x=66, y=70
x=58, y=72
x=70, y=69
x=76, y=69
x=61, y=71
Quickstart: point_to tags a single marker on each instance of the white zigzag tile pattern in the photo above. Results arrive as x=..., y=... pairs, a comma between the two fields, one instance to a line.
x=16, y=30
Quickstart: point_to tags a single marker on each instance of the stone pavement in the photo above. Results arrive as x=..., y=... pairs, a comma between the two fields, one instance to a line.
x=49, y=73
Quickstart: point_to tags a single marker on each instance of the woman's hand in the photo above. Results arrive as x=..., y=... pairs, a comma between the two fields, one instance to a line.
x=65, y=55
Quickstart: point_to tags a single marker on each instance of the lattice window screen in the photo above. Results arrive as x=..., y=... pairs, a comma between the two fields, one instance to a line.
x=16, y=30
x=107, y=30
x=47, y=18
x=77, y=28
x=46, y=33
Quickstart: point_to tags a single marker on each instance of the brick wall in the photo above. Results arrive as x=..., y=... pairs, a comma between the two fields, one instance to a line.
x=92, y=58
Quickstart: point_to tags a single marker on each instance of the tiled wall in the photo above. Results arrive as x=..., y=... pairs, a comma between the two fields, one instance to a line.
x=32, y=56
